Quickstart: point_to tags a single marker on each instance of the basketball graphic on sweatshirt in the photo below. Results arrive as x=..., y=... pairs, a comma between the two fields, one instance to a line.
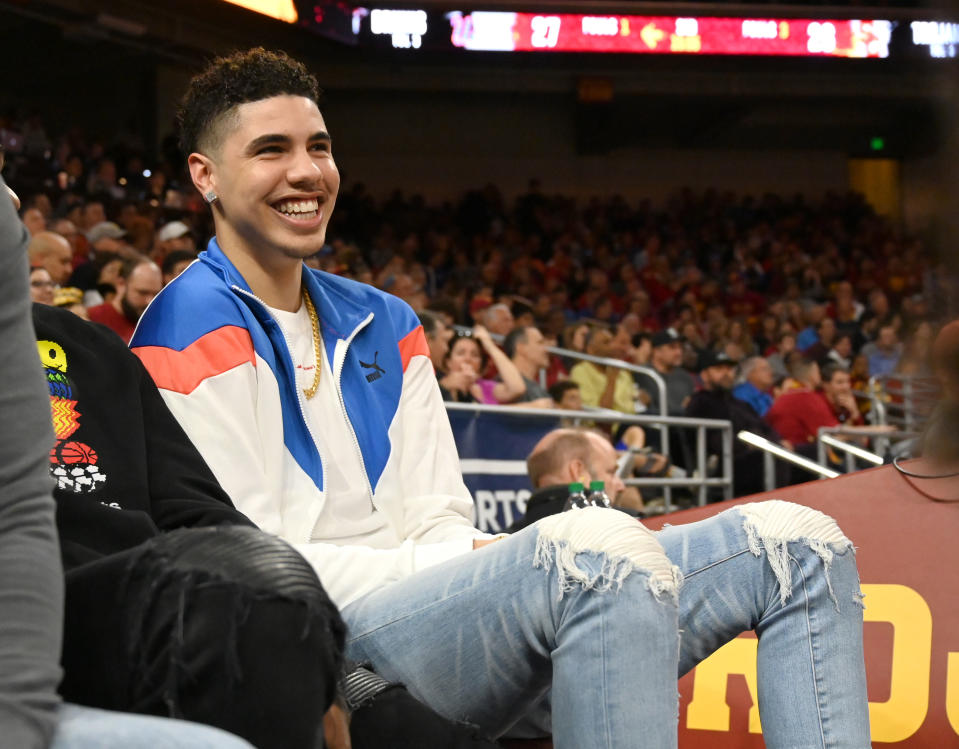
x=73, y=464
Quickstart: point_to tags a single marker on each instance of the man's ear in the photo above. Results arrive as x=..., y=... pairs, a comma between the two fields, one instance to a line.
x=202, y=172
x=576, y=471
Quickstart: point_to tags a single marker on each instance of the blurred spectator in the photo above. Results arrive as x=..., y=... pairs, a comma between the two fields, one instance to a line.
x=497, y=319
x=41, y=285
x=52, y=251
x=438, y=337
x=71, y=298
x=34, y=220
x=798, y=415
x=916, y=357
x=566, y=395
x=776, y=356
x=104, y=238
x=600, y=385
x=878, y=315
x=809, y=335
x=139, y=281
x=841, y=351
x=755, y=389
x=883, y=353
x=666, y=359
x=175, y=263
x=526, y=348
x=465, y=362
x=825, y=338
x=172, y=237
x=715, y=401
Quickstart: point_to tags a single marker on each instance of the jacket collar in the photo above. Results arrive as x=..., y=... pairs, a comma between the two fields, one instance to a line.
x=340, y=314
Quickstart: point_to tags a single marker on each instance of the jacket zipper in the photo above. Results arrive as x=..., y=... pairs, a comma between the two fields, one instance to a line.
x=338, y=378
x=296, y=387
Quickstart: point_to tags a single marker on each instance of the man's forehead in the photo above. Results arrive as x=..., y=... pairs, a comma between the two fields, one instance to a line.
x=284, y=114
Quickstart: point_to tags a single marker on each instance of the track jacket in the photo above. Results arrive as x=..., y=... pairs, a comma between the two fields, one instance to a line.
x=224, y=368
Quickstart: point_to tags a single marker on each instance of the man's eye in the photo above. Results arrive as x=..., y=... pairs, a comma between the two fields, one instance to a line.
x=269, y=149
x=321, y=147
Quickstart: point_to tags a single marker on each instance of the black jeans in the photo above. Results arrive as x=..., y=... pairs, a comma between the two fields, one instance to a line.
x=226, y=626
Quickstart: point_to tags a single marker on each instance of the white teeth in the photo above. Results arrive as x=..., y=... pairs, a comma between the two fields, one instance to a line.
x=291, y=207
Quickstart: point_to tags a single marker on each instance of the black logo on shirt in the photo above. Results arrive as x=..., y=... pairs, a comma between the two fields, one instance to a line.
x=378, y=370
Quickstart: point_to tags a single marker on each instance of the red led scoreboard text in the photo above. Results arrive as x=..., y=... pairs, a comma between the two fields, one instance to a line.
x=531, y=32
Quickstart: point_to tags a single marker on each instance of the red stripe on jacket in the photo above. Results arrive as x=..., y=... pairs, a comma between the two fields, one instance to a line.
x=218, y=351
x=413, y=344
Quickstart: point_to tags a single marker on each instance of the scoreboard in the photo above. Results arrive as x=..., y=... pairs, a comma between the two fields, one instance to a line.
x=531, y=32
x=528, y=32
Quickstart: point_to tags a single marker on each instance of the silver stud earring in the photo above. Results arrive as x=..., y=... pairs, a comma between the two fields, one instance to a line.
x=210, y=197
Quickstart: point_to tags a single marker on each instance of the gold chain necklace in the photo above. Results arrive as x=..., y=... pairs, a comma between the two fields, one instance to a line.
x=315, y=325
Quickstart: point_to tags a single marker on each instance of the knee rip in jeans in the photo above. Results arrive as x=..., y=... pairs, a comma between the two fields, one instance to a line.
x=625, y=544
x=773, y=524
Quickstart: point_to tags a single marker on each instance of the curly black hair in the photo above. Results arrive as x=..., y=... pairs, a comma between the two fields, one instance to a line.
x=227, y=82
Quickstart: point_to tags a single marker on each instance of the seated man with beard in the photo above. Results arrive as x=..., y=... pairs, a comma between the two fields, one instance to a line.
x=139, y=281
x=716, y=401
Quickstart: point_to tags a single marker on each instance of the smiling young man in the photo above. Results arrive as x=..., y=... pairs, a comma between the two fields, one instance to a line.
x=314, y=401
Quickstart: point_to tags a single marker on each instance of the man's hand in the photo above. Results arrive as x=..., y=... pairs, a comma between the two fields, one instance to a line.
x=461, y=380
x=848, y=402
x=479, y=543
x=336, y=728
x=482, y=335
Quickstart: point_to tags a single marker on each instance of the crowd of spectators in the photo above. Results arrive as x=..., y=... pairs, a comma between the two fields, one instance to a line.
x=771, y=283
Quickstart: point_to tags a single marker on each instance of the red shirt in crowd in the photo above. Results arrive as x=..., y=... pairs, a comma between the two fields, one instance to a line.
x=106, y=314
x=797, y=415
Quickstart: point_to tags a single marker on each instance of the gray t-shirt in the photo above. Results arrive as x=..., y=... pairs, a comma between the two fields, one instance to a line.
x=31, y=578
x=533, y=392
x=680, y=385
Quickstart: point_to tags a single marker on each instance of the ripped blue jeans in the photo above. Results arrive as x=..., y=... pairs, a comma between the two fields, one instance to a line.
x=595, y=615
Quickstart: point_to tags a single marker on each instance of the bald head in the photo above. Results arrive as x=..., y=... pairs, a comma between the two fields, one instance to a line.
x=567, y=455
x=52, y=251
x=551, y=459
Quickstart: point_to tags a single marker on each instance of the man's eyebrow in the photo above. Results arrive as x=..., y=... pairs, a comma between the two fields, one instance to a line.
x=278, y=139
x=267, y=140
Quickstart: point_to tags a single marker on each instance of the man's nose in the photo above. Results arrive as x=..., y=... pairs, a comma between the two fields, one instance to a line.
x=304, y=170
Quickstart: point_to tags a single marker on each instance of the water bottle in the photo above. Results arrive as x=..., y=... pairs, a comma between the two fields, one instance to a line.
x=597, y=495
x=577, y=497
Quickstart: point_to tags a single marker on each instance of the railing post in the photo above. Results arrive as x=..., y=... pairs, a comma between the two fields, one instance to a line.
x=769, y=471
x=907, y=402
x=701, y=461
x=728, y=461
x=821, y=451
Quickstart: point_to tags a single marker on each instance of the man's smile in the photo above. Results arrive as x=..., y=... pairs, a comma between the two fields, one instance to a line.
x=298, y=210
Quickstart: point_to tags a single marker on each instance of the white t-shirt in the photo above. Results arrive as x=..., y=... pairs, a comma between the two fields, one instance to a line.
x=348, y=516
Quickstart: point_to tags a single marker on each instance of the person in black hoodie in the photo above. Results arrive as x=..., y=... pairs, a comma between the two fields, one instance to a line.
x=715, y=401
x=176, y=604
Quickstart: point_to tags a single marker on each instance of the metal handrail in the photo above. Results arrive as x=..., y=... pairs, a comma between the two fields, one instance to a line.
x=607, y=416
x=772, y=451
x=881, y=435
x=851, y=451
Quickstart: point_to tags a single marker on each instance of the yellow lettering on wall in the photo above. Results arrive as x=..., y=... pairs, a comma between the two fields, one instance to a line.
x=903, y=713
x=708, y=710
x=952, y=690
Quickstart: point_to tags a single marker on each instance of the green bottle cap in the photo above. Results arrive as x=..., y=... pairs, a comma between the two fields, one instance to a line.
x=597, y=486
x=575, y=487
